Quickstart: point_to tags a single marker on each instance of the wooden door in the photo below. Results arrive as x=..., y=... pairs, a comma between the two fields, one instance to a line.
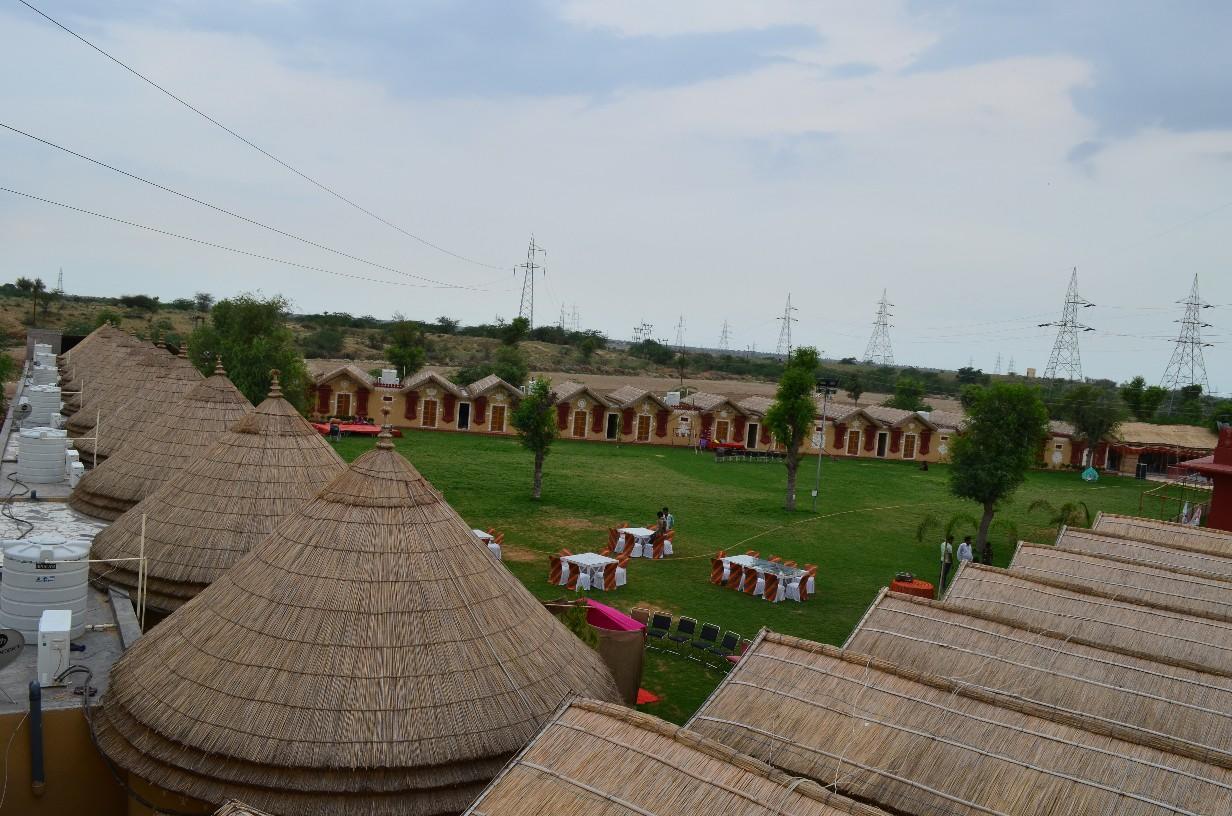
x=613, y=426
x=750, y=436
x=909, y=446
x=579, y=424
x=429, y=414
x=342, y=405
x=643, y=428
x=497, y=425
x=720, y=430
x=883, y=440
x=853, y=443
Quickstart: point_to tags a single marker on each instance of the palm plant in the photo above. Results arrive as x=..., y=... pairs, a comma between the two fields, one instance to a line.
x=951, y=527
x=1069, y=514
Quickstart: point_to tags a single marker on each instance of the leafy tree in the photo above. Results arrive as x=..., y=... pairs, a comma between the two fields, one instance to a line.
x=511, y=365
x=183, y=305
x=590, y=342
x=515, y=331
x=1221, y=412
x=535, y=423
x=405, y=347
x=1152, y=399
x=326, y=341
x=652, y=350
x=204, y=301
x=1069, y=514
x=972, y=376
x=446, y=325
x=1132, y=394
x=1190, y=408
x=34, y=288
x=1094, y=412
x=252, y=336
x=908, y=395
x=144, y=303
x=855, y=386
x=1006, y=423
x=791, y=414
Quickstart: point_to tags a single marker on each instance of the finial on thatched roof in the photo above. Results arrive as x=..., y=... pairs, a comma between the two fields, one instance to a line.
x=275, y=387
x=218, y=369
x=384, y=440
x=182, y=351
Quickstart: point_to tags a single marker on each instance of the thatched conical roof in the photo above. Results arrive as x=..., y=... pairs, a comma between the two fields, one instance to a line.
x=174, y=439
x=133, y=418
x=129, y=377
x=102, y=336
x=203, y=519
x=369, y=656
x=94, y=366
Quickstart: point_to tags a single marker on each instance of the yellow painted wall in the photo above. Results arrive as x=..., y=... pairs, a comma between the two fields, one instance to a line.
x=78, y=781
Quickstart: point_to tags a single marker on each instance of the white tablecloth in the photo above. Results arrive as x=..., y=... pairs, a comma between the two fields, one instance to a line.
x=482, y=535
x=759, y=565
x=641, y=535
x=592, y=564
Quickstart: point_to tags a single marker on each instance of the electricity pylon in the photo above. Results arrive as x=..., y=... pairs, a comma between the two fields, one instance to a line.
x=1065, y=360
x=1187, y=366
x=879, y=350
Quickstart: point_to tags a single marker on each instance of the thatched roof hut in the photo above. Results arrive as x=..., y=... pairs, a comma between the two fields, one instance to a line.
x=94, y=366
x=176, y=437
x=134, y=417
x=1094, y=618
x=1191, y=593
x=234, y=808
x=128, y=378
x=369, y=656
x=203, y=519
x=1196, y=560
x=91, y=345
x=917, y=743
x=602, y=759
x=1149, y=701
x=1181, y=536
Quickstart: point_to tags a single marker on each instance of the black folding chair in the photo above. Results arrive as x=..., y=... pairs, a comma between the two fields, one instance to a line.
x=660, y=624
x=708, y=637
x=686, y=630
x=727, y=646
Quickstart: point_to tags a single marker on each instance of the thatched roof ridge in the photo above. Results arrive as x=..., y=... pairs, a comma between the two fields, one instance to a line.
x=367, y=656
x=1094, y=617
x=126, y=379
x=203, y=519
x=600, y=758
x=757, y=405
x=423, y=377
x=1195, y=561
x=93, y=372
x=1170, y=534
x=916, y=743
x=1191, y=593
x=1156, y=703
x=174, y=439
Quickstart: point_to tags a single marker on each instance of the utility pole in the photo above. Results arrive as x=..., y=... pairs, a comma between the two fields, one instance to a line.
x=562, y=317
x=784, y=347
x=526, y=308
x=1011, y=370
x=1065, y=360
x=827, y=387
x=59, y=290
x=879, y=351
x=1187, y=367
x=725, y=338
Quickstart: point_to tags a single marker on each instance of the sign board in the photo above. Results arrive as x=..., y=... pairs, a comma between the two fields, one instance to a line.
x=11, y=643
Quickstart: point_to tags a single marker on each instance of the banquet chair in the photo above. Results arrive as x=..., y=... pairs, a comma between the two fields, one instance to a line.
x=571, y=577
x=722, y=553
x=717, y=568
x=606, y=552
x=640, y=614
x=638, y=549
x=771, y=588
x=612, y=537
x=491, y=531
x=686, y=629
x=564, y=551
x=499, y=538
x=616, y=541
x=776, y=559
x=609, y=577
x=583, y=581
x=811, y=571
x=660, y=625
x=726, y=646
x=624, y=524
x=753, y=582
x=658, y=548
x=705, y=639
x=791, y=589
x=735, y=577
x=790, y=564
x=622, y=571
x=804, y=589
x=554, y=567
x=667, y=542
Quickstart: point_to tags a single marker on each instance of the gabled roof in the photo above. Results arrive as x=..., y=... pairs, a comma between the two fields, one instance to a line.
x=488, y=383
x=757, y=405
x=1168, y=533
x=917, y=743
x=945, y=420
x=895, y=417
x=368, y=656
x=626, y=395
x=1144, y=699
x=1168, y=588
x=568, y=390
x=422, y=377
x=1058, y=428
x=1199, y=560
x=605, y=759
x=1094, y=618
x=350, y=370
x=704, y=401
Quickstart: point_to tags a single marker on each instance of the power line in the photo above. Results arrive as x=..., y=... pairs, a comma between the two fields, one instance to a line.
x=1065, y=357
x=212, y=244
x=231, y=213
x=320, y=185
x=879, y=350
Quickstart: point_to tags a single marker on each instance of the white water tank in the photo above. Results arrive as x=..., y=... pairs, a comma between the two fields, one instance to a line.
x=43, y=572
x=76, y=471
x=40, y=455
x=44, y=404
x=44, y=375
x=389, y=376
x=672, y=398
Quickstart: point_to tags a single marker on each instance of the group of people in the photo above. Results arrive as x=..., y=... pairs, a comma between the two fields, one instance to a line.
x=965, y=553
x=664, y=523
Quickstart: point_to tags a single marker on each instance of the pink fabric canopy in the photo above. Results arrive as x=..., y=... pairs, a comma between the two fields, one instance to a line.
x=606, y=617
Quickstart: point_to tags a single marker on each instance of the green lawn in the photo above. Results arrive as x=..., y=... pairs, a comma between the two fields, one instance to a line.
x=863, y=534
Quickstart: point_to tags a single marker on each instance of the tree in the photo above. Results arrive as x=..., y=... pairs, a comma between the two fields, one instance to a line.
x=1094, y=412
x=33, y=288
x=590, y=342
x=405, y=347
x=1190, y=409
x=791, y=414
x=204, y=301
x=972, y=376
x=144, y=303
x=515, y=331
x=1132, y=394
x=1006, y=424
x=326, y=341
x=908, y=395
x=251, y=335
x=446, y=325
x=855, y=386
x=535, y=423
x=1069, y=514
x=1152, y=399
x=511, y=365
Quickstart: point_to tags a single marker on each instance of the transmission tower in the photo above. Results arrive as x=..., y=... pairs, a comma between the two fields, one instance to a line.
x=60, y=282
x=1011, y=370
x=1065, y=361
x=1187, y=366
x=879, y=351
x=526, y=308
x=575, y=319
x=996, y=369
x=562, y=317
x=680, y=333
x=725, y=338
x=643, y=331
x=784, y=347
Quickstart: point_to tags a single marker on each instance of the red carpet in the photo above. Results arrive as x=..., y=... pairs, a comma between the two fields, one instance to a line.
x=646, y=697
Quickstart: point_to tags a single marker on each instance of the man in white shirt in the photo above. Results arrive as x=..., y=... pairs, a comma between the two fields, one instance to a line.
x=947, y=561
x=964, y=549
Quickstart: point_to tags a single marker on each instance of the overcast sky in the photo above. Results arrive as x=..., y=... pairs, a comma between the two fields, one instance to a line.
x=701, y=157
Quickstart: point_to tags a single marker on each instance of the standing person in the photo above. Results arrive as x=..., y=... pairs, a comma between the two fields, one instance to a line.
x=964, y=549
x=947, y=560
x=671, y=520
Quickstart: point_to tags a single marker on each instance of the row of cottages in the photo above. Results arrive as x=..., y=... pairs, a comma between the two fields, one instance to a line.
x=1158, y=447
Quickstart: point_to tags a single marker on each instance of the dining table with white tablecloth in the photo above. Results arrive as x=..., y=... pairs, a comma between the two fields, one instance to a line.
x=636, y=540
x=786, y=575
x=487, y=539
x=589, y=565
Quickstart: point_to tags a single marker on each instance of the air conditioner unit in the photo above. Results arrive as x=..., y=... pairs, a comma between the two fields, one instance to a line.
x=53, y=645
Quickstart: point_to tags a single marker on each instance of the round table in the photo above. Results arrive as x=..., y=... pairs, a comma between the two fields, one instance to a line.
x=917, y=587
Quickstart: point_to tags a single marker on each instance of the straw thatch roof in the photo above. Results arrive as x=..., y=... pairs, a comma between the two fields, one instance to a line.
x=369, y=656
x=920, y=744
x=1094, y=618
x=1189, y=437
x=599, y=759
x=1158, y=555
x=234, y=808
x=1148, y=701
x=128, y=378
x=1196, y=594
x=204, y=518
x=133, y=418
x=94, y=365
x=92, y=344
x=175, y=438
x=1181, y=536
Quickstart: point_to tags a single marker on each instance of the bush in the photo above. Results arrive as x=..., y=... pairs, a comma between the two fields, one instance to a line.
x=143, y=303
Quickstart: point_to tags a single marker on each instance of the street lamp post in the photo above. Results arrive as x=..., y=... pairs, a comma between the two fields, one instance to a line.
x=826, y=387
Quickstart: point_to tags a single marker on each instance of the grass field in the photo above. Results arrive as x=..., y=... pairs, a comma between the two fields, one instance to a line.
x=862, y=535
